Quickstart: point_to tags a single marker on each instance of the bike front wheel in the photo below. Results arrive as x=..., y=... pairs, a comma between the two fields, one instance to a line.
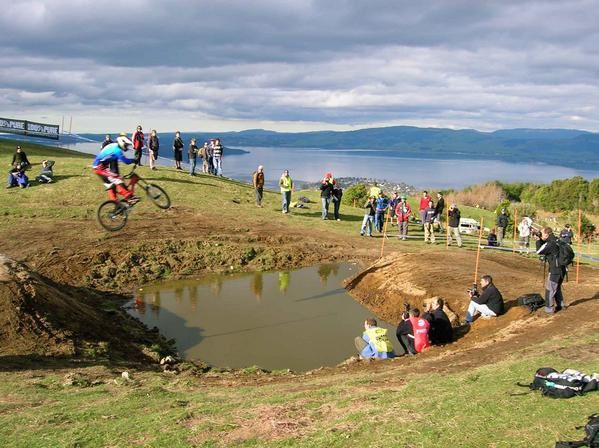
x=112, y=215
x=158, y=196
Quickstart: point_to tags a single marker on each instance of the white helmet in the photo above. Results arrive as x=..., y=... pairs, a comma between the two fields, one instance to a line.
x=124, y=142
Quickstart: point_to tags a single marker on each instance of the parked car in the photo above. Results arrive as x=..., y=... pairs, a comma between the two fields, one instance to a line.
x=469, y=225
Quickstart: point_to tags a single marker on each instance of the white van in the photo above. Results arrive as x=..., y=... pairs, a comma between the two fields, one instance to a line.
x=469, y=225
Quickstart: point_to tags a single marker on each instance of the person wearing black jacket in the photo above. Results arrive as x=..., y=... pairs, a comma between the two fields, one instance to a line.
x=368, y=217
x=440, y=331
x=488, y=303
x=454, y=225
x=178, y=150
x=502, y=222
x=326, y=191
x=405, y=335
x=547, y=247
x=439, y=208
x=337, y=195
x=20, y=160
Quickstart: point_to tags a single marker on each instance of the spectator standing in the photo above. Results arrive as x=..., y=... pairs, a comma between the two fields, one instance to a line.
x=424, y=201
x=524, y=231
x=217, y=157
x=337, y=195
x=258, y=182
x=566, y=234
x=286, y=185
x=382, y=204
x=107, y=141
x=403, y=212
x=439, y=208
x=488, y=303
x=547, y=246
x=138, y=144
x=205, y=161
x=210, y=158
x=374, y=191
x=153, y=148
x=374, y=342
x=178, y=146
x=454, y=225
x=502, y=223
x=19, y=159
x=440, y=331
x=193, y=156
x=370, y=210
x=429, y=218
x=326, y=192
x=392, y=205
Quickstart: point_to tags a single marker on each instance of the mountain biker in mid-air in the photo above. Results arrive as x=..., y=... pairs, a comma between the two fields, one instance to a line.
x=106, y=165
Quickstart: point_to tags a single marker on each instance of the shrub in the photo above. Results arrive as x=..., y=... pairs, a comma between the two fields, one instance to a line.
x=359, y=192
x=485, y=196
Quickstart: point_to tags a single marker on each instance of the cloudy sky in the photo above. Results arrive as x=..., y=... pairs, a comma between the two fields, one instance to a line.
x=295, y=65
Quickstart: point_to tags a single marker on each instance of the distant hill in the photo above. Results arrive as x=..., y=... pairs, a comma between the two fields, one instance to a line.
x=565, y=147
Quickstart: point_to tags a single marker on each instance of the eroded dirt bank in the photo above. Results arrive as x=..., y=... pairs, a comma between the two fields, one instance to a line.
x=72, y=261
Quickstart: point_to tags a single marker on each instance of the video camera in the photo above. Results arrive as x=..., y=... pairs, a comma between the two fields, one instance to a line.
x=406, y=310
x=473, y=291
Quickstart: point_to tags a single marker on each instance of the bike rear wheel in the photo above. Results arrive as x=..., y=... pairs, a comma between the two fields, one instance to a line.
x=112, y=215
x=158, y=196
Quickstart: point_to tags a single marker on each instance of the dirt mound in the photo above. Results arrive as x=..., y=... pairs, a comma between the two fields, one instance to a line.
x=41, y=318
x=416, y=277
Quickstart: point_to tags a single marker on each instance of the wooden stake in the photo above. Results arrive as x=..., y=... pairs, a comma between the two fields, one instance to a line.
x=447, y=228
x=480, y=237
x=514, y=240
x=578, y=244
x=384, y=232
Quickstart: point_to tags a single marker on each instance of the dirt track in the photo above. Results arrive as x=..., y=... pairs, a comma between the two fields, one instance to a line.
x=183, y=243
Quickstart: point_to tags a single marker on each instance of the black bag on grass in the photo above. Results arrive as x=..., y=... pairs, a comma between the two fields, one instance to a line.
x=591, y=439
x=567, y=384
x=532, y=301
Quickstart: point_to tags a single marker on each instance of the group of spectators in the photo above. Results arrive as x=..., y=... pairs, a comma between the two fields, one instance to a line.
x=415, y=333
x=211, y=152
x=17, y=176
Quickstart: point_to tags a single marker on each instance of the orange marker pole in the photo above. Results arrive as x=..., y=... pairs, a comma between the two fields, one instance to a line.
x=480, y=237
x=446, y=228
x=514, y=240
x=578, y=244
x=384, y=233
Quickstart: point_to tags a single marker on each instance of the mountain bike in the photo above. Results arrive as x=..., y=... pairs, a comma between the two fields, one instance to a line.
x=113, y=215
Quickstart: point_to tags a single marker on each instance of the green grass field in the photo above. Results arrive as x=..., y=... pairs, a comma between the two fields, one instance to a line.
x=380, y=405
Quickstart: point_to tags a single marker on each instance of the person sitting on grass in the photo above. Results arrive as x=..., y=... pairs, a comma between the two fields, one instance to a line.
x=20, y=160
x=440, y=331
x=47, y=175
x=492, y=238
x=488, y=303
x=374, y=342
x=17, y=177
x=412, y=332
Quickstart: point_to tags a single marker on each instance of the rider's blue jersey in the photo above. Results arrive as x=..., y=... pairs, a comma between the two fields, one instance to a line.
x=111, y=153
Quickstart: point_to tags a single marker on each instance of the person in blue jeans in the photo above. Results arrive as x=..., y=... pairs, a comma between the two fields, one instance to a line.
x=193, y=156
x=326, y=192
x=382, y=203
x=374, y=342
x=368, y=217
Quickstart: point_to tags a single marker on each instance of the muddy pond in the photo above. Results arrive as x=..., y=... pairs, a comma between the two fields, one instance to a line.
x=296, y=320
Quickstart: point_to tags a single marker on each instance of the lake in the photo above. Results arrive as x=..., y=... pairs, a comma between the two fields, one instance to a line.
x=309, y=164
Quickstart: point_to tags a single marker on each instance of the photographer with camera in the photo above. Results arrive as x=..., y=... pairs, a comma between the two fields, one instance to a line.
x=412, y=331
x=488, y=303
x=547, y=247
x=374, y=342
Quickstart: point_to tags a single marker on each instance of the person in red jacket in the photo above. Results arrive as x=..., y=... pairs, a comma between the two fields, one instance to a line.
x=424, y=200
x=420, y=326
x=403, y=212
x=138, y=144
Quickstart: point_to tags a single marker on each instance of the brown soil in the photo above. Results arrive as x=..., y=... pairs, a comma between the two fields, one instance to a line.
x=61, y=309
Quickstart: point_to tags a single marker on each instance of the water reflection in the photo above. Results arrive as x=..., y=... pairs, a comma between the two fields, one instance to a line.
x=292, y=319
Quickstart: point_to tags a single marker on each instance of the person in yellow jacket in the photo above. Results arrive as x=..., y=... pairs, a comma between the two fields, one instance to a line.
x=374, y=342
x=286, y=184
